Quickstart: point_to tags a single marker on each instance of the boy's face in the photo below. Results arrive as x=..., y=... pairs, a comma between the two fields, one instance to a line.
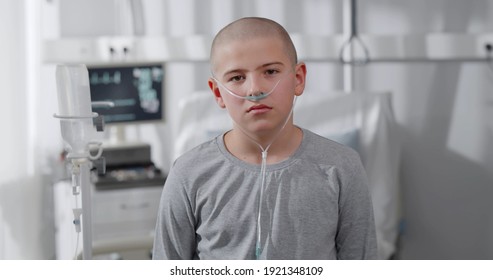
x=248, y=67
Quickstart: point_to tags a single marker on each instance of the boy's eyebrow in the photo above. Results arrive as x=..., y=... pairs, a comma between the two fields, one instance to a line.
x=270, y=64
x=236, y=70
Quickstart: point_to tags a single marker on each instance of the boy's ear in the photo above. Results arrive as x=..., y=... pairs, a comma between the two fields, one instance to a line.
x=300, y=75
x=217, y=94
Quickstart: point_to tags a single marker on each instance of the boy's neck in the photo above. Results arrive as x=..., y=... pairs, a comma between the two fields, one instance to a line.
x=245, y=149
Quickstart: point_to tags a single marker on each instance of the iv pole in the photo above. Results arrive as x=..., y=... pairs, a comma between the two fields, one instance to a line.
x=78, y=124
x=85, y=186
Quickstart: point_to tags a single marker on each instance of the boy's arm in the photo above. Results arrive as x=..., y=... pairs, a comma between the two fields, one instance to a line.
x=356, y=237
x=175, y=232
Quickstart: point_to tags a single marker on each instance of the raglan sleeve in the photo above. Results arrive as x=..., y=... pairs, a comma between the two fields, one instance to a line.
x=356, y=236
x=175, y=226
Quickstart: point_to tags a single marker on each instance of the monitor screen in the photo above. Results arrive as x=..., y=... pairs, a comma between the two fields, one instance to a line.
x=136, y=92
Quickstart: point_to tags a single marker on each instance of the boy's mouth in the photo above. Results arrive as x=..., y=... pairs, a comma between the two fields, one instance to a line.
x=259, y=108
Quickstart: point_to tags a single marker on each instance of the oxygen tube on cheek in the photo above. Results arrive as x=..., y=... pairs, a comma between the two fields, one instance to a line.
x=253, y=98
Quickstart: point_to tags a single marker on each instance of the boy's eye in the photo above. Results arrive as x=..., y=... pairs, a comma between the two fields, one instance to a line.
x=236, y=78
x=271, y=72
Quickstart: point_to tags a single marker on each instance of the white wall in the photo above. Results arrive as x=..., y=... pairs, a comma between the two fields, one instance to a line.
x=8, y=55
x=25, y=231
x=443, y=109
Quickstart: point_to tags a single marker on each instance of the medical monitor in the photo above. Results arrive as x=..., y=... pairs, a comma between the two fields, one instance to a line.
x=136, y=92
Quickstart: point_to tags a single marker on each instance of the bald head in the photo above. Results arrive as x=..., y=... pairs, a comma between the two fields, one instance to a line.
x=249, y=28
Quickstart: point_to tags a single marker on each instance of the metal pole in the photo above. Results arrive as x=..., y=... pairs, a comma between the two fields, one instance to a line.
x=85, y=189
x=349, y=30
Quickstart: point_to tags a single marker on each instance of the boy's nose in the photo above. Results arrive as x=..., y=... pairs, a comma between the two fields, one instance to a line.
x=255, y=87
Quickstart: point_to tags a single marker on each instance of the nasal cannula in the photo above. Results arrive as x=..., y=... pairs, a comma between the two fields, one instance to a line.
x=264, y=153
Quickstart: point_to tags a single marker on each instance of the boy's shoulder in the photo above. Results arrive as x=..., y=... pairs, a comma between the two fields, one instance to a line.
x=200, y=154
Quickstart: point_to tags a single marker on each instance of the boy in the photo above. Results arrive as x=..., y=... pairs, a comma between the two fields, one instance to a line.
x=266, y=189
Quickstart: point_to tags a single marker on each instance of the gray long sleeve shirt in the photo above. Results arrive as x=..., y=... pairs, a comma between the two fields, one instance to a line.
x=316, y=205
